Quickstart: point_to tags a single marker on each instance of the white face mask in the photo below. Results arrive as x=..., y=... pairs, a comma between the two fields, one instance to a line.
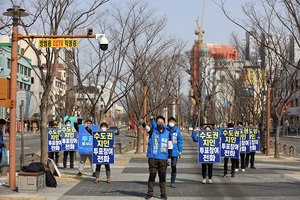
x=103, y=129
x=171, y=124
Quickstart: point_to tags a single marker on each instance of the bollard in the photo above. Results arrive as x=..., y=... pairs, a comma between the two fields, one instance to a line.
x=285, y=149
x=292, y=151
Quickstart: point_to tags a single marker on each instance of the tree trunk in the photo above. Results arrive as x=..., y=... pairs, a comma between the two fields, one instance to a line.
x=139, y=139
x=277, y=147
x=43, y=130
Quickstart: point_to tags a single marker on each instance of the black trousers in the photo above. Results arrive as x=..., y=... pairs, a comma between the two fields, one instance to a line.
x=242, y=156
x=51, y=155
x=208, y=166
x=233, y=164
x=65, y=158
x=250, y=155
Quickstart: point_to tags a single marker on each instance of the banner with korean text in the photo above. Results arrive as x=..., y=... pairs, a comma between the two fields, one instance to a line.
x=103, y=147
x=54, y=140
x=209, y=146
x=230, y=142
x=85, y=139
x=69, y=138
x=254, y=139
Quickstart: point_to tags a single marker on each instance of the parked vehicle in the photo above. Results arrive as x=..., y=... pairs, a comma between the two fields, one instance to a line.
x=115, y=129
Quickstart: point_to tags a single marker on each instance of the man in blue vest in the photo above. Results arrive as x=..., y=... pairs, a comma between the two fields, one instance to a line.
x=157, y=154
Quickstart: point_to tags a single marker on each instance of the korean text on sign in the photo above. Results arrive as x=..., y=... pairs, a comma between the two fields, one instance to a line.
x=58, y=43
x=54, y=140
x=208, y=146
x=230, y=143
x=85, y=140
x=103, y=147
x=254, y=139
x=69, y=138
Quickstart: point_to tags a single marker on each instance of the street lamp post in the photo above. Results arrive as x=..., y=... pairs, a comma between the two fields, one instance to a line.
x=16, y=13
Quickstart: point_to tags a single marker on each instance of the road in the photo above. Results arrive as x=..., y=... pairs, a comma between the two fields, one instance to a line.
x=290, y=141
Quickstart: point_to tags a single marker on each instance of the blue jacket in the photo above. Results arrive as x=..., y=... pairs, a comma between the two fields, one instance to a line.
x=158, y=144
x=195, y=136
x=175, y=136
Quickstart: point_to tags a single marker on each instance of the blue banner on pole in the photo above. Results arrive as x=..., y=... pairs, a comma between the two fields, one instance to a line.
x=209, y=146
x=254, y=139
x=54, y=140
x=230, y=142
x=103, y=147
x=85, y=140
x=69, y=138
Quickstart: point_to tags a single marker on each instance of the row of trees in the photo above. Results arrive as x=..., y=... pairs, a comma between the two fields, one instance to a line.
x=139, y=55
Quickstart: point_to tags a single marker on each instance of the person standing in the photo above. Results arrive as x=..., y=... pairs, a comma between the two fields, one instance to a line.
x=176, y=151
x=103, y=127
x=55, y=155
x=250, y=155
x=205, y=166
x=157, y=154
x=242, y=154
x=2, y=144
x=71, y=153
x=233, y=160
x=84, y=157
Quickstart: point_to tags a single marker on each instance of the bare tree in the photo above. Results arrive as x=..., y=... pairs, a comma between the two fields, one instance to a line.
x=274, y=25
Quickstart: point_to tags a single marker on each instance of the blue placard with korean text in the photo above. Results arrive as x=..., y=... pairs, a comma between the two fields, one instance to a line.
x=245, y=142
x=85, y=140
x=254, y=139
x=103, y=147
x=54, y=140
x=230, y=142
x=209, y=146
x=69, y=138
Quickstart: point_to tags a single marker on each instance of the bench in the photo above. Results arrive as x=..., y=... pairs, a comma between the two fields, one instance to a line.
x=31, y=181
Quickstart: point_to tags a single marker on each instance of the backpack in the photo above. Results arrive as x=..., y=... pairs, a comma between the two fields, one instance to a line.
x=50, y=179
x=34, y=167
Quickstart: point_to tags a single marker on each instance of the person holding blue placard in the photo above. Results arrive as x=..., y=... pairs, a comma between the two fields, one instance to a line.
x=84, y=157
x=157, y=154
x=233, y=160
x=103, y=127
x=250, y=155
x=204, y=166
x=65, y=158
x=55, y=155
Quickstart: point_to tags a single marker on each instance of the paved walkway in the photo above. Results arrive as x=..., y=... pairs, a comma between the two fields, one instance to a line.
x=273, y=179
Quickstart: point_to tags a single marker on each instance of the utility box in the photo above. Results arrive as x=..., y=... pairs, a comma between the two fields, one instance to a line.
x=31, y=181
x=4, y=88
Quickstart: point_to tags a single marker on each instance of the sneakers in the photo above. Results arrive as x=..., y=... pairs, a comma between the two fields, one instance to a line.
x=252, y=167
x=163, y=196
x=108, y=181
x=210, y=181
x=173, y=185
x=96, y=181
x=236, y=170
x=204, y=181
x=79, y=174
x=148, y=196
x=232, y=175
x=225, y=175
x=243, y=170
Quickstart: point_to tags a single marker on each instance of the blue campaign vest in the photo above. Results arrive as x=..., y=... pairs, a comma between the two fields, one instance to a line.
x=158, y=145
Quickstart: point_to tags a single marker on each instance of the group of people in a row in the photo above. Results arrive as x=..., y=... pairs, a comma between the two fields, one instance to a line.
x=235, y=163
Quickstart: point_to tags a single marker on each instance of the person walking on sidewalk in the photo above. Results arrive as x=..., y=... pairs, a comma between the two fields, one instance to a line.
x=83, y=158
x=157, y=154
x=2, y=144
x=208, y=166
x=250, y=155
x=176, y=151
x=233, y=160
x=71, y=153
x=103, y=127
x=242, y=154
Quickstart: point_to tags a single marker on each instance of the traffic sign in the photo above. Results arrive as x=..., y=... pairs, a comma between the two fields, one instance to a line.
x=58, y=43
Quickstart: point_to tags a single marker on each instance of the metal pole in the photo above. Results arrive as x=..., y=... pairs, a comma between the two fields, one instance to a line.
x=22, y=135
x=12, y=116
x=268, y=118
